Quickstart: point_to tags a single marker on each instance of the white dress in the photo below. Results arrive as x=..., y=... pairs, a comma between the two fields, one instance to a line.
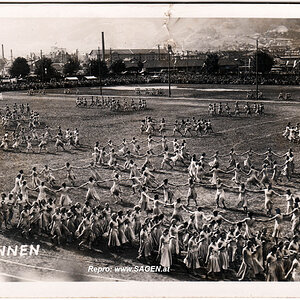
x=92, y=193
x=165, y=253
x=296, y=270
x=42, y=193
x=277, y=226
x=16, y=188
x=65, y=199
x=214, y=178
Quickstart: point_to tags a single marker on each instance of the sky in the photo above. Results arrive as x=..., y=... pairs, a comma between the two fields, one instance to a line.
x=25, y=35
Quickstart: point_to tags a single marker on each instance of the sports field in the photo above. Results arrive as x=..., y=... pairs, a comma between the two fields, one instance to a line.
x=55, y=108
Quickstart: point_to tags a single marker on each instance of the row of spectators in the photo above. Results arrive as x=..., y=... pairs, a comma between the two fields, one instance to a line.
x=178, y=78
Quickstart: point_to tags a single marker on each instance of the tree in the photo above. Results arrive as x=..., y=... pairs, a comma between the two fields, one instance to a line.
x=265, y=62
x=118, y=66
x=211, y=64
x=45, y=70
x=140, y=66
x=19, y=67
x=94, y=68
x=72, y=66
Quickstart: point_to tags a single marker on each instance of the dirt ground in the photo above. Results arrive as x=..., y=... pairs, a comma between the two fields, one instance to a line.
x=69, y=263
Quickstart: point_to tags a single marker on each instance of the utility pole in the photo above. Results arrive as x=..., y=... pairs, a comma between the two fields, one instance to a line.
x=169, y=67
x=256, y=69
x=100, y=80
x=42, y=66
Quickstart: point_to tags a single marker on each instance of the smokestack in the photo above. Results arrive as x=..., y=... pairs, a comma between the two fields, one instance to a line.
x=103, y=47
x=11, y=55
x=2, y=51
x=158, y=52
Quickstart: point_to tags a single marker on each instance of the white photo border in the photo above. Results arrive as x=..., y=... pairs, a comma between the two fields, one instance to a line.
x=199, y=289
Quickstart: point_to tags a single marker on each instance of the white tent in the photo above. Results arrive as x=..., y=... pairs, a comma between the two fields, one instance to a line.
x=90, y=77
x=71, y=78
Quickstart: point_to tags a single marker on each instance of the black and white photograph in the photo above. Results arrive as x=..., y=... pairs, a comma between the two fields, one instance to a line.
x=142, y=144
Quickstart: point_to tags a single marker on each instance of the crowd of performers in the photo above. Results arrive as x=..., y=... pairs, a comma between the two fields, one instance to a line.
x=292, y=133
x=112, y=103
x=225, y=110
x=29, y=135
x=169, y=230
x=185, y=127
x=169, y=223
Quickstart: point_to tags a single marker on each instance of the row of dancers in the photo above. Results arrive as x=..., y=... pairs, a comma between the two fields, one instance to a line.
x=186, y=127
x=225, y=110
x=112, y=103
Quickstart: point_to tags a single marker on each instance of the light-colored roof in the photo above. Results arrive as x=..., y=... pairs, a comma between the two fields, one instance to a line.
x=71, y=78
x=90, y=77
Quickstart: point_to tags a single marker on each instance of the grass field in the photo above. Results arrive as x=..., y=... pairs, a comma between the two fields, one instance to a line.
x=258, y=132
x=202, y=91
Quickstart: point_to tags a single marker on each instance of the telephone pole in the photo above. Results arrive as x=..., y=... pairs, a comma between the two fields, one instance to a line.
x=256, y=69
x=100, y=80
x=42, y=63
x=169, y=69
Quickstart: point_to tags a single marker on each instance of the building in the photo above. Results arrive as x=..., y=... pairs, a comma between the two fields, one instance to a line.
x=176, y=64
x=229, y=65
x=286, y=64
x=139, y=55
x=58, y=55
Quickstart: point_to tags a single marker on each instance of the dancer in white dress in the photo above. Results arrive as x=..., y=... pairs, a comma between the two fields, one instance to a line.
x=42, y=191
x=91, y=192
x=269, y=193
x=70, y=176
x=192, y=260
x=252, y=179
x=164, y=250
x=295, y=269
x=64, y=200
x=116, y=189
x=278, y=218
x=48, y=176
x=289, y=201
x=94, y=171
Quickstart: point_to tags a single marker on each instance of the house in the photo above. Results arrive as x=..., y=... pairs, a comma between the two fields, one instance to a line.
x=229, y=65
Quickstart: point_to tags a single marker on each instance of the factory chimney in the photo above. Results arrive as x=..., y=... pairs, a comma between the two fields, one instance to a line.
x=158, y=46
x=2, y=51
x=103, y=47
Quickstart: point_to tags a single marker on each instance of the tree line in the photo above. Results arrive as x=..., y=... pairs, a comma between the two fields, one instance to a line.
x=45, y=70
x=44, y=67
